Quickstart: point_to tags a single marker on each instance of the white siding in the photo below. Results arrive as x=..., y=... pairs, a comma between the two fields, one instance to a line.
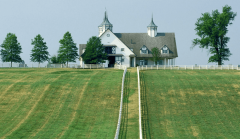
x=112, y=39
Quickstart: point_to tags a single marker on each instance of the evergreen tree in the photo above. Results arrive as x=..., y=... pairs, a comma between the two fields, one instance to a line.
x=11, y=49
x=39, y=51
x=67, y=51
x=212, y=29
x=95, y=52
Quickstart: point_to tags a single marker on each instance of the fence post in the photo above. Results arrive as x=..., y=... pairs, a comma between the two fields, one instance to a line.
x=97, y=66
x=164, y=67
x=146, y=67
x=90, y=66
x=151, y=66
x=157, y=67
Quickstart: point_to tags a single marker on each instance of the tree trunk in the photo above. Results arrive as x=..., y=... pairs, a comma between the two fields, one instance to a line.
x=219, y=62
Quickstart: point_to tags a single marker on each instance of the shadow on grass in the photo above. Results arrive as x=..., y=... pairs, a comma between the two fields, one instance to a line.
x=144, y=109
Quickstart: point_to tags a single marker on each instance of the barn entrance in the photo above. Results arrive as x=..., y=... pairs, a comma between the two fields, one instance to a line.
x=111, y=60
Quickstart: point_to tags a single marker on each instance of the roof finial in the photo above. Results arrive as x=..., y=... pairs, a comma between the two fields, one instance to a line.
x=152, y=17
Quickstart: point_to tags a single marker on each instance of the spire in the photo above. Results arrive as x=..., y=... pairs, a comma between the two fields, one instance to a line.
x=105, y=20
x=152, y=23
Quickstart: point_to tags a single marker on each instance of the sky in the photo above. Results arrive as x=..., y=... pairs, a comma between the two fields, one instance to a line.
x=52, y=18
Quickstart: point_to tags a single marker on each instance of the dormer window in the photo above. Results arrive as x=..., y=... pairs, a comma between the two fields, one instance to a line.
x=165, y=49
x=144, y=50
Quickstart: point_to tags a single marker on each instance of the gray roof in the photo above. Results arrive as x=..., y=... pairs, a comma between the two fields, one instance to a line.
x=135, y=41
x=105, y=21
x=152, y=24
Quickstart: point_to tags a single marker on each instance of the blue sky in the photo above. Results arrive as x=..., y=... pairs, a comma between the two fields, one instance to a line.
x=52, y=18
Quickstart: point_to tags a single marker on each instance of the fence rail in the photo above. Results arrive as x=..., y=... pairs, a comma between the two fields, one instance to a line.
x=139, y=104
x=190, y=67
x=36, y=65
x=121, y=102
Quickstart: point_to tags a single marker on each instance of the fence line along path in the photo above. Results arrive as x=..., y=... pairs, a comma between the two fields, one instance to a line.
x=121, y=102
x=139, y=104
x=189, y=67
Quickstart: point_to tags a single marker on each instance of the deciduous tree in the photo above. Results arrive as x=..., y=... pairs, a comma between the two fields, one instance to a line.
x=11, y=49
x=212, y=30
x=39, y=52
x=156, y=55
x=67, y=51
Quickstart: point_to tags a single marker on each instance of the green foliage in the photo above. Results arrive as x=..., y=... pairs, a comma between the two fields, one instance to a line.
x=156, y=55
x=39, y=51
x=55, y=59
x=11, y=49
x=67, y=51
x=95, y=52
x=212, y=30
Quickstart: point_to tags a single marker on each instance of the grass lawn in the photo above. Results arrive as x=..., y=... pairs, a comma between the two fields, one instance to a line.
x=130, y=119
x=59, y=103
x=190, y=104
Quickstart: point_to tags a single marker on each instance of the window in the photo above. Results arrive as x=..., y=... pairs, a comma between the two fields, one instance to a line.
x=122, y=59
x=144, y=50
x=110, y=50
x=108, y=35
x=122, y=49
x=165, y=49
x=118, y=60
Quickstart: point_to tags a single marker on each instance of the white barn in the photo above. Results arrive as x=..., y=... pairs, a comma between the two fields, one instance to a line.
x=131, y=49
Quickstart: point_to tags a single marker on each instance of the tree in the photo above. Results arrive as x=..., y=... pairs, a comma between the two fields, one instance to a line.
x=95, y=52
x=212, y=30
x=39, y=51
x=156, y=55
x=68, y=50
x=11, y=49
x=55, y=59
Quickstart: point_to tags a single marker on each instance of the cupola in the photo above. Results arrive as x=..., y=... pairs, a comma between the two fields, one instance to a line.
x=152, y=29
x=105, y=25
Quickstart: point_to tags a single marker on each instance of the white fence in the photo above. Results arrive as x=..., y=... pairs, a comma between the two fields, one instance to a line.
x=42, y=65
x=190, y=67
x=120, y=110
x=119, y=67
x=139, y=104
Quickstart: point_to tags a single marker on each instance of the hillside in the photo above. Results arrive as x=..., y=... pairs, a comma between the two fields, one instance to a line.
x=59, y=103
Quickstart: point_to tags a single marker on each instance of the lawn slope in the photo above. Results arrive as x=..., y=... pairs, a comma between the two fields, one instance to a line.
x=59, y=103
x=129, y=121
x=190, y=104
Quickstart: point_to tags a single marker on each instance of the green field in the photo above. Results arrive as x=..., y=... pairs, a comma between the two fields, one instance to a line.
x=130, y=119
x=59, y=103
x=190, y=104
